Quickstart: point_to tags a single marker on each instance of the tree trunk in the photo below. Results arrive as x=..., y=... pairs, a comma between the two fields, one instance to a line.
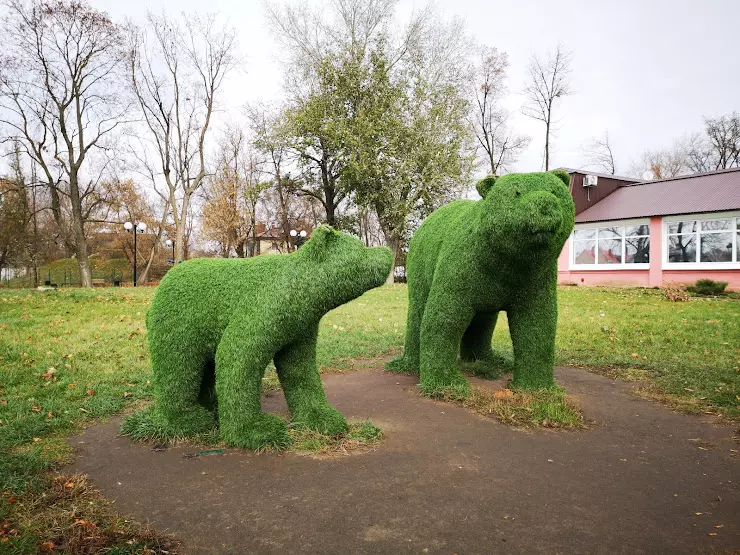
x=79, y=230
x=143, y=277
x=547, y=146
x=56, y=211
x=180, y=227
x=395, y=245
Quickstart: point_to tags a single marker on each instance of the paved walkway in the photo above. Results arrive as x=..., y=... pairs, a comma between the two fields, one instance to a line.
x=642, y=480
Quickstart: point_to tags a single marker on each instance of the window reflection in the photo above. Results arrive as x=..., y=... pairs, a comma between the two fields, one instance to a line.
x=637, y=250
x=584, y=252
x=681, y=227
x=716, y=247
x=682, y=248
x=610, y=251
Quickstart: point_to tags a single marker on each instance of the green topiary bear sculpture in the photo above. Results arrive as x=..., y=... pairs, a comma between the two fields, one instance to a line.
x=471, y=259
x=241, y=314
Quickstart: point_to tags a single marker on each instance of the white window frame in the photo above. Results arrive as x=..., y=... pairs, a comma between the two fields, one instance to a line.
x=699, y=217
x=600, y=225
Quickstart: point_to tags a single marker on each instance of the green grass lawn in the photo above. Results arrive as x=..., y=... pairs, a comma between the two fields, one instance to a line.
x=74, y=356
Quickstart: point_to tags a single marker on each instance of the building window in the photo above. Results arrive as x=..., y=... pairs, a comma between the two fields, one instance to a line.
x=703, y=241
x=613, y=246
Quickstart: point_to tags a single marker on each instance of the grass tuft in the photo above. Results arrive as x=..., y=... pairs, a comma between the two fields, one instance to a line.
x=455, y=392
x=361, y=435
x=141, y=426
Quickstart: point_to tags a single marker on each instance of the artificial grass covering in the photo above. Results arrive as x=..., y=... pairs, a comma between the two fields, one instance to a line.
x=470, y=260
x=215, y=324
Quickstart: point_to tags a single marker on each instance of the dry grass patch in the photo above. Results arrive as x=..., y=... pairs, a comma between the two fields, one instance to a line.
x=70, y=516
x=547, y=408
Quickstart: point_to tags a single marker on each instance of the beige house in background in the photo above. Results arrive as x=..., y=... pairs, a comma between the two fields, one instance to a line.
x=270, y=240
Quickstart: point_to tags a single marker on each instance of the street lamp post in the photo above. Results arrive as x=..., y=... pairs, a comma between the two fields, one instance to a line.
x=299, y=237
x=136, y=228
x=171, y=243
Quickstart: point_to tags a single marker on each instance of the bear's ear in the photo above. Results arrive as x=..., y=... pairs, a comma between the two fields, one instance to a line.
x=485, y=184
x=562, y=175
x=322, y=236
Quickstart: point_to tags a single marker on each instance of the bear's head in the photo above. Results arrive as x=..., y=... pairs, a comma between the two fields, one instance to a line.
x=344, y=265
x=528, y=214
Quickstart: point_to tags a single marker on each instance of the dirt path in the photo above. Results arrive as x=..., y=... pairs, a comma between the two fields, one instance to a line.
x=445, y=481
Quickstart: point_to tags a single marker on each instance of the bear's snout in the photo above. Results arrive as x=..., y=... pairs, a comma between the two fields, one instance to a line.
x=543, y=212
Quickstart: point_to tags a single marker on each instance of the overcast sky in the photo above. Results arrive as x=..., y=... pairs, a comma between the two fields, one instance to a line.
x=646, y=70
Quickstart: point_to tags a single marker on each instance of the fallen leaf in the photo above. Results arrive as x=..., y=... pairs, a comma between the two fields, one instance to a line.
x=127, y=394
x=697, y=514
x=90, y=392
x=712, y=534
x=83, y=410
x=635, y=355
x=49, y=415
x=37, y=439
x=503, y=394
x=36, y=408
x=47, y=546
x=69, y=485
x=720, y=526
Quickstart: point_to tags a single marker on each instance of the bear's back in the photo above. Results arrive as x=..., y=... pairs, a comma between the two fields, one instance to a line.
x=202, y=293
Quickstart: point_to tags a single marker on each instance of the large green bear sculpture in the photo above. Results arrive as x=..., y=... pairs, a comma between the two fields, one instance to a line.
x=241, y=314
x=470, y=260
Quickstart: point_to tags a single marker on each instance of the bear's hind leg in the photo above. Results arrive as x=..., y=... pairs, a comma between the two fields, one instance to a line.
x=178, y=375
x=241, y=359
x=304, y=392
x=476, y=341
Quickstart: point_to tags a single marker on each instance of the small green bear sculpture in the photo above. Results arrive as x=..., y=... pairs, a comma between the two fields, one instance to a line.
x=240, y=314
x=470, y=260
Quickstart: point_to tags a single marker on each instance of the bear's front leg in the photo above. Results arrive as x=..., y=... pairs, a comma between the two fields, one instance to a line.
x=304, y=392
x=446, y=317
x=532, y=325
x=241, y=359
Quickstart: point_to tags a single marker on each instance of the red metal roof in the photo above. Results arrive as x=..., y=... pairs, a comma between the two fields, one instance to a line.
x=705, y=192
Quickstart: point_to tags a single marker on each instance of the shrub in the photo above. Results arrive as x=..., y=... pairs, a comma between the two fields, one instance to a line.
x=708, y=287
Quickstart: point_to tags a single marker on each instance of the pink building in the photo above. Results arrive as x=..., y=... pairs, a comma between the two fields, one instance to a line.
x=654, y=232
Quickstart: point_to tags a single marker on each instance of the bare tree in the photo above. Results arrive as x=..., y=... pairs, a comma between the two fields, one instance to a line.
x=699, y=155
x=61, y=99
x=176, y=75
x=662, y=163
x=500, y=145
x=549, y=81
x=723, y=134
x=600, y=154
